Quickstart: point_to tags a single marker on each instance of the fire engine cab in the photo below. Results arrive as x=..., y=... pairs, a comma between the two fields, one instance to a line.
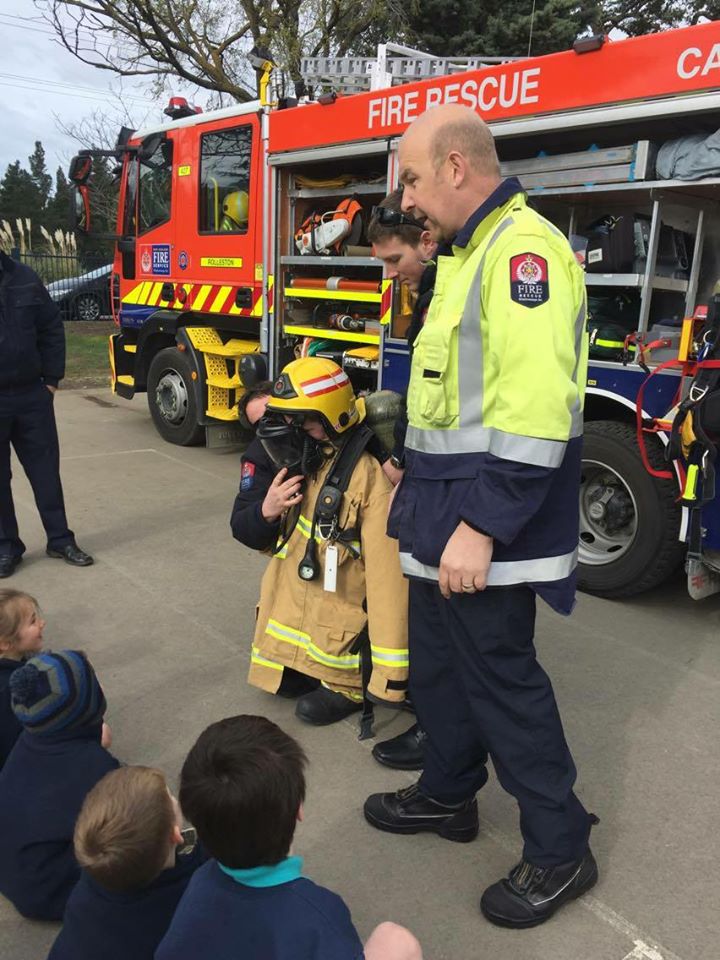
x=241, y=243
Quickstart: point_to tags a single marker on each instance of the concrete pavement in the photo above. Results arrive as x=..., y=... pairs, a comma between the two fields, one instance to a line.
x=166, y=615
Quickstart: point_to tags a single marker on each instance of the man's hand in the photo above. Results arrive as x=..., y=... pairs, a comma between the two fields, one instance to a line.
x=394, y=474
x=282, y=495
x=51, y=389
x=465, y=561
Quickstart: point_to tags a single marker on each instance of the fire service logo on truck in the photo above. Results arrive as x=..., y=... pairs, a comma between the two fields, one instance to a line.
x=529, y=284
x=155, y=258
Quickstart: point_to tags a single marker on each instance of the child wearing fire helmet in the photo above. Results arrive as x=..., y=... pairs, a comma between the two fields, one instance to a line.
x=333, y=596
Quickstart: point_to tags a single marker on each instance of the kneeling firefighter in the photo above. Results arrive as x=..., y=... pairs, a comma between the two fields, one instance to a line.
x=332, y=618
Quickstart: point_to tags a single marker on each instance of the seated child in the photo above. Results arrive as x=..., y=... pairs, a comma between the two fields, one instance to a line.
x=126, y=840
x=55, y=762
x=242, y=787
x=21, y=628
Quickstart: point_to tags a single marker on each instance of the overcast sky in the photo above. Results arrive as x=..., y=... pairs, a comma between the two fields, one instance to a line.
x=39, y=78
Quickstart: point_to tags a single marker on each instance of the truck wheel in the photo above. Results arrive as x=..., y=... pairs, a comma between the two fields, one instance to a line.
x=629, y=521
x=171, y=398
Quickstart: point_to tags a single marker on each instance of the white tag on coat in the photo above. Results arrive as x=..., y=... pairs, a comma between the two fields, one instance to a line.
x=331, y=565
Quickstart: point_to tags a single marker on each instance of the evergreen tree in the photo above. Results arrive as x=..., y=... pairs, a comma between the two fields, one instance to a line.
x=457, y=28
x=18, y=195
x=58, y=210
x=40, y=177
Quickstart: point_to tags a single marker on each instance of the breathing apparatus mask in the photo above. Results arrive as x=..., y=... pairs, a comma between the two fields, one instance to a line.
x=289, y=446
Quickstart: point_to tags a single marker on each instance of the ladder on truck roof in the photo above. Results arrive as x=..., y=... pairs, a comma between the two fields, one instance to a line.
x=394, y=64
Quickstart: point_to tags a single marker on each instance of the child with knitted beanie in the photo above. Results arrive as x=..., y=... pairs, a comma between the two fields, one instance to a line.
x=21, y=634
x=57, y=760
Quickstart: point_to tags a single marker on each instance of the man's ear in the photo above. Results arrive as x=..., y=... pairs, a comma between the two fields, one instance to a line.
x=300, y=813
x=457, y=166
x=177, y=839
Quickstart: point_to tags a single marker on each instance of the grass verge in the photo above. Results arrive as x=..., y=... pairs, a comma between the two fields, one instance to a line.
x=86, y=347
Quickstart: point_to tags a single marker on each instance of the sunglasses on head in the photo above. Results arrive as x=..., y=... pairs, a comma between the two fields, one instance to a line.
x=394, y=218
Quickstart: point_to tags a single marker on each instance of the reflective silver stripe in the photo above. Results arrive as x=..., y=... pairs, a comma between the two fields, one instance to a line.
x=509, y=446
x=504, y=574
x=463, y=440
x=470, y=346
x=535, y=450
x=580, y=321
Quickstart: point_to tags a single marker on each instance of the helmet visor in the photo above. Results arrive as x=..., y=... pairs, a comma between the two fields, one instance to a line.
x=283, y=442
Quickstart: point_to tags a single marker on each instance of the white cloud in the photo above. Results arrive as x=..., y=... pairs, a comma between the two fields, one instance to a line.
x=39, y=79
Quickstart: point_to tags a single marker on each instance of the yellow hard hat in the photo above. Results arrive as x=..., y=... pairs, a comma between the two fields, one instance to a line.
x=235, y=208
x=315, y=385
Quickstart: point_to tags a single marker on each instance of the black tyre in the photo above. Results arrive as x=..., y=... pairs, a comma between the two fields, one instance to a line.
x=629, y=521
x=86, y=306
x=171, y=398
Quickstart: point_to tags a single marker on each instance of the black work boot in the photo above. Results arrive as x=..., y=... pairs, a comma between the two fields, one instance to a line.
x=530, y=895
x=323, y=707
x=409, y=811
x=404, y=752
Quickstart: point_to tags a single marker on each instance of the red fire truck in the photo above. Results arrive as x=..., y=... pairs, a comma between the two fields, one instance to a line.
x=240, y=243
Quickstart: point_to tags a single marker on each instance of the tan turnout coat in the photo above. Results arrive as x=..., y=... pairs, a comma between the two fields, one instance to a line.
x=303, y=626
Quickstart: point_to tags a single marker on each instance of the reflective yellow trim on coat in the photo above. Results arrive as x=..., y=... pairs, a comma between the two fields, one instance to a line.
x=389, y=657
x=298, y=638
x=263, y=662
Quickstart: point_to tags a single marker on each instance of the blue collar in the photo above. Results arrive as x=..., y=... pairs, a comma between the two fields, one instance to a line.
x=500, y=195
x=267, y=876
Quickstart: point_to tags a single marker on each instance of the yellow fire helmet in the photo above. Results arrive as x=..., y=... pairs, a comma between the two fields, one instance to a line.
x=235, y=210
x=315, y=385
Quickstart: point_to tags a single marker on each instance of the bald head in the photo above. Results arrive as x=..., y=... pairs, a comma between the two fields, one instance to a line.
x=452, y=128
x=448, y=168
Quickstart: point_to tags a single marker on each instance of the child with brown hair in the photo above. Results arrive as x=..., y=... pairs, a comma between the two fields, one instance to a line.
x=126, y=841
x=21, y=634
x=242, y=787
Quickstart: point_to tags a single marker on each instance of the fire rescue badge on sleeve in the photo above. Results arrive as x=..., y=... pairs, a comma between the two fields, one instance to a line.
x=529, y=281
x=247, y=475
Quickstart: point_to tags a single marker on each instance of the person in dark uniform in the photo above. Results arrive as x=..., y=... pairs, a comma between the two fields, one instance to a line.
x=32, y=363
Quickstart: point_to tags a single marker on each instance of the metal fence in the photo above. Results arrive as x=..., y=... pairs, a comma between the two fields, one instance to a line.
x=79, y=283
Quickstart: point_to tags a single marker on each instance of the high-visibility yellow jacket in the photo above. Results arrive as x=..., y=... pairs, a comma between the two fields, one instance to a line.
x=303, y=626
x=495, y=402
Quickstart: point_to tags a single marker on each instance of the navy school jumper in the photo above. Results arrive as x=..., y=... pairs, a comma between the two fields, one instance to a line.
x=42, y=787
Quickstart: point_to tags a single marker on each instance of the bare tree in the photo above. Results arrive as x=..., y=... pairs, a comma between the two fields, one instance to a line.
x=205, y=42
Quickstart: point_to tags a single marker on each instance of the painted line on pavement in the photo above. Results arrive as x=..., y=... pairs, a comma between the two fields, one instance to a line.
x=105, y=453
x=642, y=951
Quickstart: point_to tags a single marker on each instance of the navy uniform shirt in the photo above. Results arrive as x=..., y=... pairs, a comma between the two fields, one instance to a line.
x=42, y=787
x=268, y=913
x=122, y=926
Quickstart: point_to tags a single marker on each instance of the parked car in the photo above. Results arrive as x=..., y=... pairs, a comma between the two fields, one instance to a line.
x=83, y=298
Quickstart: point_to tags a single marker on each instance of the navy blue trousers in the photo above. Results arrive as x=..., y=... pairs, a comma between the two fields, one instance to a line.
x=27, y=421
x=480, y=692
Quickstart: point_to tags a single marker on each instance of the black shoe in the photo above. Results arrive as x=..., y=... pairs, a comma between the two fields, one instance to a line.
x=8, y=565
x=323, y=707
x=408, y=811
x=405, y=752
x=531, y=895
x=71, y=554
x=294, y=684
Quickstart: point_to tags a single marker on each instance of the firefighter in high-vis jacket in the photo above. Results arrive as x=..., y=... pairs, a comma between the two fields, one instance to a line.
x=333, y=602
x=487, y=512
